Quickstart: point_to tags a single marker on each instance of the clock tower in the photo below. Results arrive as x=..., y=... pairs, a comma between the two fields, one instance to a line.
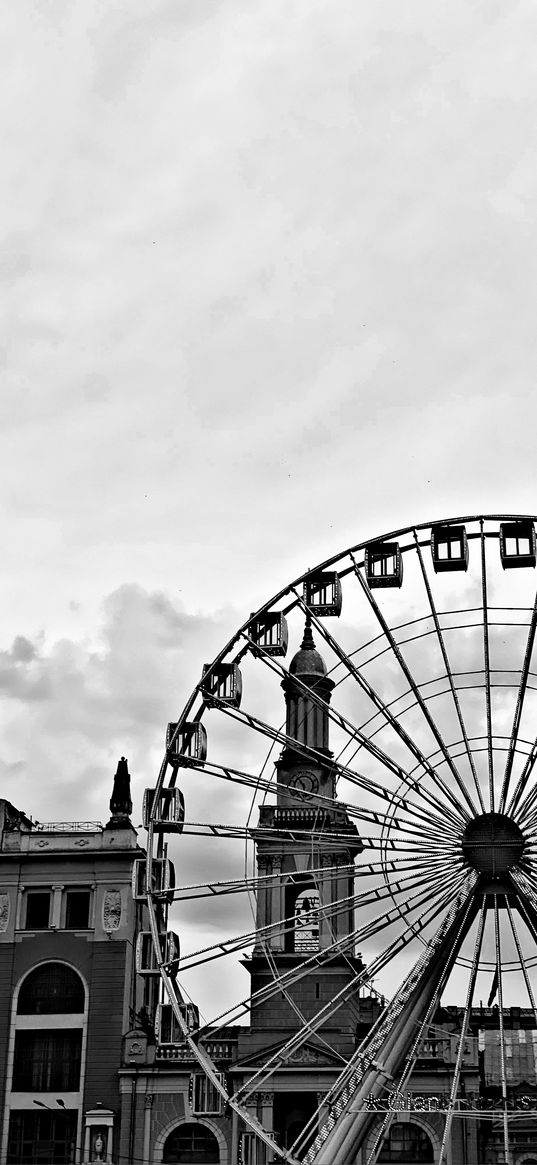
x=305, y=849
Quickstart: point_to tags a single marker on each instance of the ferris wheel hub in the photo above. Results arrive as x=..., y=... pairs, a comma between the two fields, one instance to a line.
x=493, y=844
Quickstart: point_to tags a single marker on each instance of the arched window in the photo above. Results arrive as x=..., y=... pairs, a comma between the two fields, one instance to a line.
x=406, y=1145
x=306, y=933
x=48, y=1036
x=191, y=1144
x=52, y=989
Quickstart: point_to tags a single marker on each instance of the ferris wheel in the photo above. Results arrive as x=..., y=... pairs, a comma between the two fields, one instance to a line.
x=352, y=784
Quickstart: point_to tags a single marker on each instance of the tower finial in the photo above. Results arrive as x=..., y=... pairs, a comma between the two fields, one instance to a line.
x=120, y=801
x=308, y=641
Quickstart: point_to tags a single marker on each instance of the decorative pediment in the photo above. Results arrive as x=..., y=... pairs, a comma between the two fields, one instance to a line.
x=310, y=1055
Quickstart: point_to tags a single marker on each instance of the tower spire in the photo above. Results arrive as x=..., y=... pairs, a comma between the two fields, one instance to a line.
x=308, y=643
x=307, y=719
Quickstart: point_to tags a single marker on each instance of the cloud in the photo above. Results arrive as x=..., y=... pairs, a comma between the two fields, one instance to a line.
x=263, y=270
x=268, y=281
x=71, y=708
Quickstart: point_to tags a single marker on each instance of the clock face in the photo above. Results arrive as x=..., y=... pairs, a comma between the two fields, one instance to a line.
x=305, y=782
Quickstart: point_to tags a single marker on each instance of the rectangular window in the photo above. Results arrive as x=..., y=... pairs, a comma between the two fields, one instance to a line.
x=47, y=1061
x=77, y=909
x=519, y=545
x=37, y=909
x=252, y=1150
x=204, y=1097
x=47, y=1138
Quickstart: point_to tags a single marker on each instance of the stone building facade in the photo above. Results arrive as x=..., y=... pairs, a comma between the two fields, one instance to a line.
x=68, y=984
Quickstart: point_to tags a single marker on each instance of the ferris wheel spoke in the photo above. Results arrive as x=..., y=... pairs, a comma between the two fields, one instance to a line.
x=285, y=992
x=438, y=904
x=523, y=780
x=452, y=928
x=391, y=719
x=282, y=981
x=420, y=824
x=242, y=885
x=526, y=883
x=367, y=1070
x=526, y=813
x=519, y=707
x=431, y=867
x=281, y=927
x=382, y=960
x=424, y=822
x=313, y=837
x=354, y=732
x=521, y=959
x=318, y=914
x=205, y=1061
x=410, y=1064
x=503, y=1062
x=464, y=1032
x=421, y=703
x=449, y=672
x=315, y=755
x=318, y=959
x=329, y=874
x=307, y=836
x=486, y=653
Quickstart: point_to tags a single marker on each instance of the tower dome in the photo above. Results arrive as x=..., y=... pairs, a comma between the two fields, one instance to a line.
x=307, y=661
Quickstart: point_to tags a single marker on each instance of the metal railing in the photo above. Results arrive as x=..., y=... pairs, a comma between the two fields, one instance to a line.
x=217, y=1050
x=68, y=826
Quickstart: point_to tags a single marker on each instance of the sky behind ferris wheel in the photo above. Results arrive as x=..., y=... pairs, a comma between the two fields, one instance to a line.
x=269, y=282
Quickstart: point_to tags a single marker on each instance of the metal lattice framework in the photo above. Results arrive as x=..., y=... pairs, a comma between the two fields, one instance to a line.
x=428, y=635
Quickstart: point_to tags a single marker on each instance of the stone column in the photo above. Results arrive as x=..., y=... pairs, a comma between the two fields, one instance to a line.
x=20, y=905
x=56, y=915
x=277, y=942
x=148, y=1105
x=328, y=927
x=266, y=1100
x=234, y=1136
x=264, y=897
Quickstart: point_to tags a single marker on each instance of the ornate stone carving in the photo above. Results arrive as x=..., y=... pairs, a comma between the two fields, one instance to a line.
x=4, y=911
x=135, y=1048
x=306, y=1056
x=111, y=910
x=148, y=1100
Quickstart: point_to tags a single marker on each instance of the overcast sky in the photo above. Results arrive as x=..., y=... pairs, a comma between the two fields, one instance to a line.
x=269, y=285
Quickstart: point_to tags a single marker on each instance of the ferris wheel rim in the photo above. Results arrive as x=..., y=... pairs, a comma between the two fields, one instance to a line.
x=293, y=588
x=332, y=560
